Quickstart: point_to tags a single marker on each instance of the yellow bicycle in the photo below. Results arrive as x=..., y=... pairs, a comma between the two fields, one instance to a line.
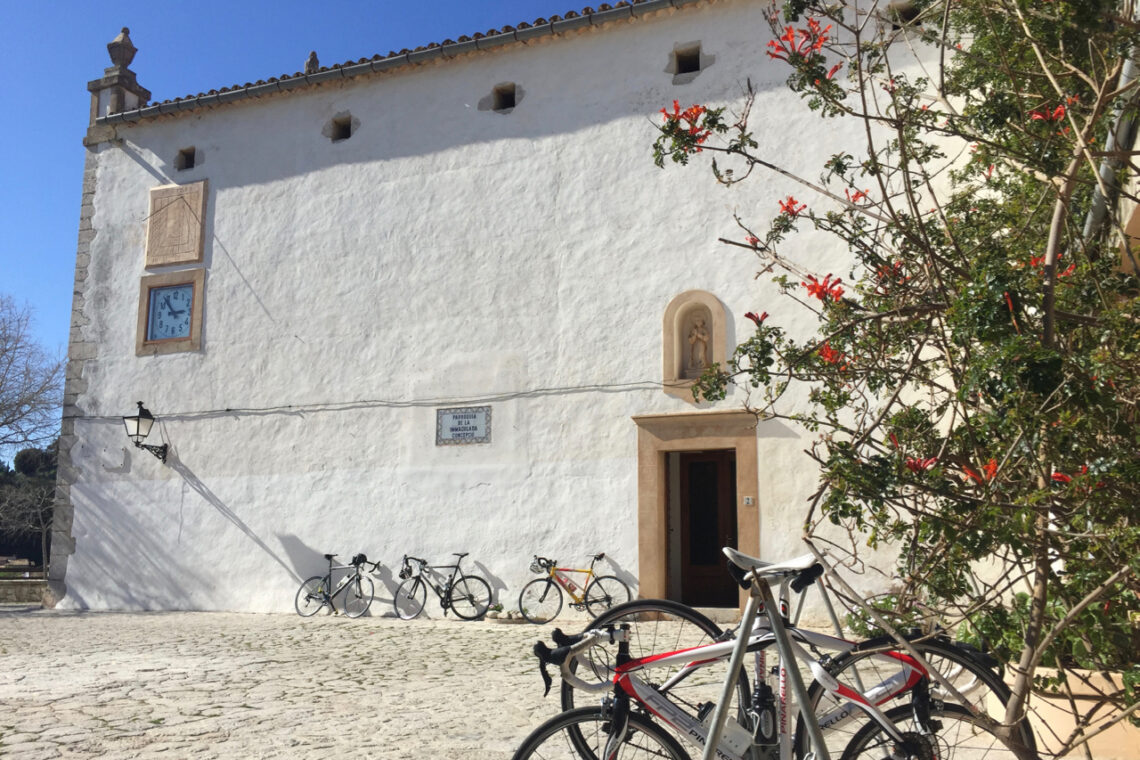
x=541, y=599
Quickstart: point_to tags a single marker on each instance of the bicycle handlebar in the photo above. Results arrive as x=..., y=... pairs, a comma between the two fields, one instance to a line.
x=570, y=647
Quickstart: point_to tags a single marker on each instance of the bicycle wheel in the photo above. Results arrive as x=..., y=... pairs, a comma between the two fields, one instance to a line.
x=470, y=597
x=581, y=735
x=540, y=600
x=358, y=596
x=604, y=592
x=658, y=626
x=311, y=596
x=961, y=736
x=410, y=597
x=865, y=667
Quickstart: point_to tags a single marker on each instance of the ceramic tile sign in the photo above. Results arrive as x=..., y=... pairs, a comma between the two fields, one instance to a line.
x=461, y=425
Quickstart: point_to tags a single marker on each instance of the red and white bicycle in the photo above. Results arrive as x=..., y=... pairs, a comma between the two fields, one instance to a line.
x=879, y=701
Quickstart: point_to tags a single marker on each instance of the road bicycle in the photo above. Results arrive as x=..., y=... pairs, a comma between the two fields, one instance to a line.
x=468, y=595
x=663, y=625
x=541, y=599
x=904, y=713
x=318, y=591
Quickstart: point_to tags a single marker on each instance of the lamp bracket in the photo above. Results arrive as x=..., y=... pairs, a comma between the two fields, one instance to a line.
x=158, y=451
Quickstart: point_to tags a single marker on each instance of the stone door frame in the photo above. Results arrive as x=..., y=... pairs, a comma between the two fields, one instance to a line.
x=661, y=434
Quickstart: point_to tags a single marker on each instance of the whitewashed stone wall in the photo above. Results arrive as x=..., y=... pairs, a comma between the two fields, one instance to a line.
x=442, y=256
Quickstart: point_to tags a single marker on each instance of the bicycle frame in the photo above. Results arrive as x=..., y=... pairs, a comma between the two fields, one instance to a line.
x=331, y=592
x=577, y=591
x=628, y=685
x=430, y=573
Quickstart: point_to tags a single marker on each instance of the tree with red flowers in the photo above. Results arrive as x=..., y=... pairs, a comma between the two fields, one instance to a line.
x=975, y=378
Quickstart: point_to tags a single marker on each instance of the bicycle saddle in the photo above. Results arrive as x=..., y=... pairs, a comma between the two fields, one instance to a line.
x=461, y=555
x=768, y=569
x=329, y=556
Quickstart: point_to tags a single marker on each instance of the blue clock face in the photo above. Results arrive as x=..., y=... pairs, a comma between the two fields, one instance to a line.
x=168, y=316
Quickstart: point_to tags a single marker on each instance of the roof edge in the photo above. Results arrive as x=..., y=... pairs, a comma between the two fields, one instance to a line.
x=447, y=50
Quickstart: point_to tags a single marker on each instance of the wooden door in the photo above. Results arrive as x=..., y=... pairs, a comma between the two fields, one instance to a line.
x=708, y=523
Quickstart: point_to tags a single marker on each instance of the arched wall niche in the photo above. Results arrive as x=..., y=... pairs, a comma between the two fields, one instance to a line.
x=693, y=338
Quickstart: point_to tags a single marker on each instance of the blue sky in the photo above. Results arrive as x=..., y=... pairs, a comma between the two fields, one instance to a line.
x=54, y=47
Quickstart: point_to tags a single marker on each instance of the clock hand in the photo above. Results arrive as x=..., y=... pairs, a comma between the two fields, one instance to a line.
x=169, y=306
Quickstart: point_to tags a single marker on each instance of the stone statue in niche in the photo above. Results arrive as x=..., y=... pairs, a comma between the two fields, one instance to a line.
x=698, y=348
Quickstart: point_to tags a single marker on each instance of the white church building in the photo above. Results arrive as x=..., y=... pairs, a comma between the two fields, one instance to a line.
x=433, y=301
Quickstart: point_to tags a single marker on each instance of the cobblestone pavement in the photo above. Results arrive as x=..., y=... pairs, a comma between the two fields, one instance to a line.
x=224, y=685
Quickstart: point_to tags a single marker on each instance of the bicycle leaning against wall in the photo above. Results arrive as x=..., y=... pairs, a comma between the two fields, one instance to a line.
x=318, y=592
x=541, y=599
x=468, y=596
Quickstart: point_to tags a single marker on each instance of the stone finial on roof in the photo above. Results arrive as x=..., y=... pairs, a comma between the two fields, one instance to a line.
x=122, y=50
x=117, y=90
x=312, y=65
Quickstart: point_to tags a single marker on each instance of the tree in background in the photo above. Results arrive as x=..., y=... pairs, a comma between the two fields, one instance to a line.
x=31, y=385
x=31, y=382
x=27, y=494
x=973, y=379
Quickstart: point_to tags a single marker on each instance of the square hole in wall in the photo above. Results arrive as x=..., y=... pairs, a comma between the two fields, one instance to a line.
x=687, y=60
x=903, y=13
x=185, y=159
x=341, y=128
x=503, y=97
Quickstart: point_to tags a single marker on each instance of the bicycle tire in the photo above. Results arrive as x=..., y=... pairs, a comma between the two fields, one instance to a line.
x=581, y=734
x=982, y=687
x=604, y=592
x=311, y=596
x=658, y=626
x=470, y=597
x=540, y=601
x=961, y=735
x=358, y=596
x=410, y=598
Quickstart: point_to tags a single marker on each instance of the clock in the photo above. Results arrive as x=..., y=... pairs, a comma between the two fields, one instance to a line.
x=170, y=312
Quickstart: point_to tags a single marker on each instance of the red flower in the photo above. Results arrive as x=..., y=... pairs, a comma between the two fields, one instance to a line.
x=894, y=440
x=834, y=69
x=791, y=208
x=890, y=271
x=759, y=320
x=859, y=195
x=688, y=121
x=811, y=40
x=1057, y=114
x=824, y=290
x=1061, y=477
x=752, y=240
x=990, y=469
x=829, y=354
x=920, y=465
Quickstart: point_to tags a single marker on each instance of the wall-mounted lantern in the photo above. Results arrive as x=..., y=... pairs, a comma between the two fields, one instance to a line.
x=138, y=428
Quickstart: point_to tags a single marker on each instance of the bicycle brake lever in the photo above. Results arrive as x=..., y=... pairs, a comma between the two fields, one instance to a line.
x=542, y=652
